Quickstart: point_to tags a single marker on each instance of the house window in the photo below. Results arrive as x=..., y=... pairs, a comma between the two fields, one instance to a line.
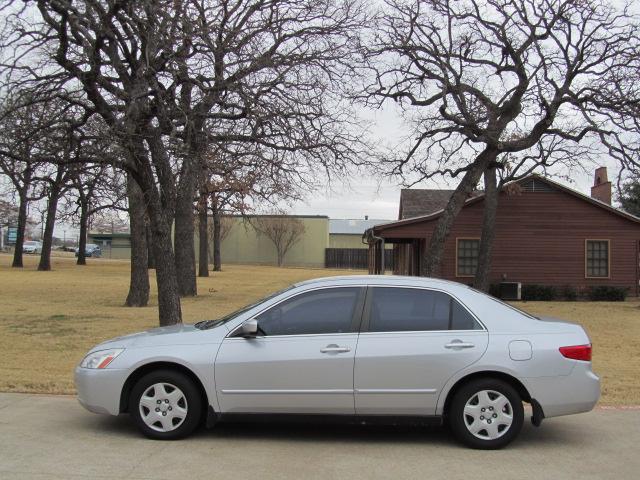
x=597, y=258
x=467, y=257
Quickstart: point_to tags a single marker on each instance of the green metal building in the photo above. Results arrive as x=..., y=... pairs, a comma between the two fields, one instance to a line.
x=243, y=244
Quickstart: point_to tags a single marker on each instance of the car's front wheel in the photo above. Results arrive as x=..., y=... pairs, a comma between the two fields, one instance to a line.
x=486, y=414
x=165, y=405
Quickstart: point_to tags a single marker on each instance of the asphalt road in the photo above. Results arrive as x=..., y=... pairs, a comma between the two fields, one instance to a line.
x=52, y=437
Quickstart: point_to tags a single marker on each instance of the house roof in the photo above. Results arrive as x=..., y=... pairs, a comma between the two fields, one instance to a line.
x=415, y=202
x=530, y=181
x=351, y=226
x=418, y=202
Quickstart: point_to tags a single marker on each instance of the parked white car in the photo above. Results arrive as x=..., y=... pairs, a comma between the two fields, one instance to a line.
x=361, y=348
x=32, y=246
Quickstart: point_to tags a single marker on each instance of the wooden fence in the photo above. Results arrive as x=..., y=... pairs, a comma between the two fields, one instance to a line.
x=354, y=258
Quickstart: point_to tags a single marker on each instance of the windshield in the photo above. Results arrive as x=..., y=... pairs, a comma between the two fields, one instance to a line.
x=207, y=324
x=30, y=243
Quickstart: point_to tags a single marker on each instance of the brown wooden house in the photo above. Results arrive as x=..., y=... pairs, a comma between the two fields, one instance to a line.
x=546, y=233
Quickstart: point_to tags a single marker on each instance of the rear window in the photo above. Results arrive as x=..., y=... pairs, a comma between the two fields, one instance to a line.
x=413, y=309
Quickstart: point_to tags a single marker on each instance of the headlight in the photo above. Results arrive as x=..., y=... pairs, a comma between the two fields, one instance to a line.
x=101, y=358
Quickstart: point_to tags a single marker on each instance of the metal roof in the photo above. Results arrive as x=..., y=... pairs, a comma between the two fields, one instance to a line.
x=352, y=226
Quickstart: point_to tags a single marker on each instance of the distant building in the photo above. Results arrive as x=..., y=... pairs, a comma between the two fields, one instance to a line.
x=242, y=244
x=113, y=245
x=347, y=233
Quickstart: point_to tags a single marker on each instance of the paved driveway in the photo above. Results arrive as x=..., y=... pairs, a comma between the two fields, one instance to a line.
x=52, y=437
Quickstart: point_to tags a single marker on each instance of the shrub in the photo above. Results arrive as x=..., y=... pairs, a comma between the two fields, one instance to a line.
x=539, y=292
x=610, y=293
x=569, y=293
x=494, y=290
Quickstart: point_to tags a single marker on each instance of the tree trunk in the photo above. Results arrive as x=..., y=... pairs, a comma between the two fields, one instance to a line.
x=433, y=256
x=151, y=258
x=82, y=241
x=217, y=239
x=47, y=237
x=138, y=295
x=22, y=225
x=169, y=308
x=482, y=278
x=158, y=188
x=184, y=237
x=203, y=236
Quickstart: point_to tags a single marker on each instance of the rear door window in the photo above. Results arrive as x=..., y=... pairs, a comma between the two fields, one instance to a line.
x=413, y=309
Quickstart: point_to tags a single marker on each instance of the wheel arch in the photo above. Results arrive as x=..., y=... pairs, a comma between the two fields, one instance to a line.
x=510, y=379
x=142, y=370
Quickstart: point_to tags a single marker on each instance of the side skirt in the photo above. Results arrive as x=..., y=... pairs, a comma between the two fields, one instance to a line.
x=213, y=418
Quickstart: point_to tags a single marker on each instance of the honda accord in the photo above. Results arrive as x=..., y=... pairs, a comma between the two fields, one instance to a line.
x=361, y=349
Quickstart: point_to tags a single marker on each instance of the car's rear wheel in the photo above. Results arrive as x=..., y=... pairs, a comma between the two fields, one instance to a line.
x=486, y=414
x=165, y=405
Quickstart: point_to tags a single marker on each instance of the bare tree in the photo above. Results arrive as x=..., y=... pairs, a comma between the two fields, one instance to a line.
x=161, y=74
x=271, y=77
x=283, y=230
x=96, y=187
x=218, y=229
x=138, y=295
x=238, y=177
x=479, y=80
x=111, y=58
x=8, y=213
x=22, y=129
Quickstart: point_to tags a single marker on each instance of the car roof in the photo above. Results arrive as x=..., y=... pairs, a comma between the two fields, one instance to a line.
x=381, y=280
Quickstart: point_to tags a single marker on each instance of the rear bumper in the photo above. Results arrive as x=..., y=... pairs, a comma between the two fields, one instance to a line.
x=577, y=392
x=99, y=390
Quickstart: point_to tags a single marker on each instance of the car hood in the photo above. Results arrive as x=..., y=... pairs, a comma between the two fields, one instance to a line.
x=181, y=334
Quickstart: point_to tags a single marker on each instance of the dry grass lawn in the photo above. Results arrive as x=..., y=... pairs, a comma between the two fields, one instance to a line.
x=48, y=320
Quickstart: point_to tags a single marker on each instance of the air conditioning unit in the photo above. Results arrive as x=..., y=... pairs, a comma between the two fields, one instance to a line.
x=511, y=290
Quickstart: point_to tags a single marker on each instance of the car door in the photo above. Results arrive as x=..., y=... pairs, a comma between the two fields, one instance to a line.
x=412, y=341
x=301, y=361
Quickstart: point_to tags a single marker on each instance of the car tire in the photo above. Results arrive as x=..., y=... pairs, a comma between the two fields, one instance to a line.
x=165, y=405
x=486, y=414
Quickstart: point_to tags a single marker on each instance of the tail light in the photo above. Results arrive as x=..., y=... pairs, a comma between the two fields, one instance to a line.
x=577, y=352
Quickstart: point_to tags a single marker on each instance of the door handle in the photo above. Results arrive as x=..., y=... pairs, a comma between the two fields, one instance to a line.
x=459, y=344
x=333, y=348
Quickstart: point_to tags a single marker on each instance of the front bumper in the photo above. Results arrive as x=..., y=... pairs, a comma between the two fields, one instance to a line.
x=99, y=390
x=577, y=392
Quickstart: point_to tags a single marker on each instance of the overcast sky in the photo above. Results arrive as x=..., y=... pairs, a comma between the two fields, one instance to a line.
x=378, y=197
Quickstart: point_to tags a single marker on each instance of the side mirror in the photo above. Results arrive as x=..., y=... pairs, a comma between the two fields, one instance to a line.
x=250, y=328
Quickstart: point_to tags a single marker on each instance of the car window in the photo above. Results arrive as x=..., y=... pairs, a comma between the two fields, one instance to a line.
x=413, y=309
x=206, y=324
x=329, y=310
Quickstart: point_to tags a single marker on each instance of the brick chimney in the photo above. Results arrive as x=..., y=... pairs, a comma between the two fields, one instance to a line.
x=601, y=189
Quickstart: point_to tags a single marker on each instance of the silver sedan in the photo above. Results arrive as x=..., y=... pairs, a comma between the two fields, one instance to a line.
x=361, y=348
